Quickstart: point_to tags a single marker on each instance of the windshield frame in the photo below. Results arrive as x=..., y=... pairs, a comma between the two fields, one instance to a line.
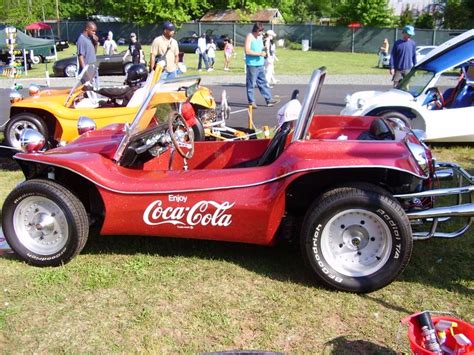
x=86, y=75
x=405, y=82
x=140, y=123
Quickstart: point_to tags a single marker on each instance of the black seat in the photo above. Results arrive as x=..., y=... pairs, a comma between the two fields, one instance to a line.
x=379, y=130
x=274, y=149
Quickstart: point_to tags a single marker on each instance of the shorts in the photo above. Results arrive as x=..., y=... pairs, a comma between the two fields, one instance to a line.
x=400, y=74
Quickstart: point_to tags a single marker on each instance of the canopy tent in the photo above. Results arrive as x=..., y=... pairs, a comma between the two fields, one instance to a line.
x=36, y=46
x=38, y=26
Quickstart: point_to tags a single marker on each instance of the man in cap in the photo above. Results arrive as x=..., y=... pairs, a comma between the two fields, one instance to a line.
x=403, y=56
x=165, y=48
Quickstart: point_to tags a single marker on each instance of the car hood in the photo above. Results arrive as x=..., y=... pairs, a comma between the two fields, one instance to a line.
x=450, y=54
x=362, y=99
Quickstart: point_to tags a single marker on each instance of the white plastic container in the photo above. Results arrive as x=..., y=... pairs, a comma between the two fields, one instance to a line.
x=305, y=45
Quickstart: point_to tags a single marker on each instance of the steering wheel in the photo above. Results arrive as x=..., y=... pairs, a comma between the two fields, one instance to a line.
x=181, y=135
x=437, y=102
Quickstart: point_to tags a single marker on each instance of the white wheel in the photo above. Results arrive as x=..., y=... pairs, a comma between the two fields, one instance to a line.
x=356, y=242
x=70, y=70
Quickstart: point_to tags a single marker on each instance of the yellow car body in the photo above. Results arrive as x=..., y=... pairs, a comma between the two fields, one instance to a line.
x=48, y=112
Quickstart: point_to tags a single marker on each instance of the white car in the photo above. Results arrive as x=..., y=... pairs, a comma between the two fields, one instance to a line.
x=421, y=52
x=418, y=102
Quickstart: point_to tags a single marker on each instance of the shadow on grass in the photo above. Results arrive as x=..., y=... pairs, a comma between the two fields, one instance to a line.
x=342, y=345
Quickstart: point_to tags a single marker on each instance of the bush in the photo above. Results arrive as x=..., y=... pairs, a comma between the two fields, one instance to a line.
x=293, y=45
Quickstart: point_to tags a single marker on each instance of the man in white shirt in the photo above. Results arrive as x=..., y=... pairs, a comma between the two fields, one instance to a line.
x=110, y=47
x=202, y=51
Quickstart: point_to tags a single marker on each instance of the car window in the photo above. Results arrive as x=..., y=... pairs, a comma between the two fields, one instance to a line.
x=425, y=50
x=416, y=81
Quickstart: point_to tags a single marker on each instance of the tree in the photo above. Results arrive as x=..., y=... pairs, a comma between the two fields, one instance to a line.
x=373, y=13
x=406, y=17
x=425, y=20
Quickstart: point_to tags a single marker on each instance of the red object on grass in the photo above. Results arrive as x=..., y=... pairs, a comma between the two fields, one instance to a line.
x=416, y=339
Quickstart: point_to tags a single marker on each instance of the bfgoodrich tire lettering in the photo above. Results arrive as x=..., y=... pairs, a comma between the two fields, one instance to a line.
x=44, y=223
x=356, y=238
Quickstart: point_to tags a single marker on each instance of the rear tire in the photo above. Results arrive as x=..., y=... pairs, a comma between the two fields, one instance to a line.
x=356, y=238
x=44, y=223
x=70, y=71
x=18, y=123
x=397, y=117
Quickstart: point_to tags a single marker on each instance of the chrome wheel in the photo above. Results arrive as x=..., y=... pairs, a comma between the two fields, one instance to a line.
x=70, y=70
x=16, y=129
x=356, y=243
x=41, y=225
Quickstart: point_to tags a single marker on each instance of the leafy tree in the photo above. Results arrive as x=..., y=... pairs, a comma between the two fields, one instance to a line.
x=406, y=17
x=371, y=13
x=425, y=20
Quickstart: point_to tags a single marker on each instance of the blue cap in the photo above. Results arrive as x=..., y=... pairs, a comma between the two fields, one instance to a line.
x=168, y=26
x=409, y=30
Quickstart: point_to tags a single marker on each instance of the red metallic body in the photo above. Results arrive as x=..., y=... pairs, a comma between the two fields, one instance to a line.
x=214, y=199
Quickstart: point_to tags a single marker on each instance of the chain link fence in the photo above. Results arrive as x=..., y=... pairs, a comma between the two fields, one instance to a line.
x=328, y=38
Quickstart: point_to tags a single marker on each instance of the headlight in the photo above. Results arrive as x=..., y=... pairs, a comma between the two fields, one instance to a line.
x=419, y=153
x=85, y=124
x=15, y=96
x=33, y=90
x=31, y=140
x=360, y=103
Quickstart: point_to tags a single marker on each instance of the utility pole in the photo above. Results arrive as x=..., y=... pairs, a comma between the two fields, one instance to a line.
x=57, y=18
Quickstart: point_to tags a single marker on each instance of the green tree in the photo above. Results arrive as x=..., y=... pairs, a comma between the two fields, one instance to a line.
x=373, y=13
x=425, y=20
x=406, y=17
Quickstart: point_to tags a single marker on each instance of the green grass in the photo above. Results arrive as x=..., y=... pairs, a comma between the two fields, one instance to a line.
x=290, y=62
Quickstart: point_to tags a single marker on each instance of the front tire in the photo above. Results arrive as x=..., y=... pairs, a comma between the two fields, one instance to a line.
x=44, y=223
x=356, y=238
x=18, y=123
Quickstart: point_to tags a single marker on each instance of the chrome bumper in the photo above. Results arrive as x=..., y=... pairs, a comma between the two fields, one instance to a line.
x=432, y=217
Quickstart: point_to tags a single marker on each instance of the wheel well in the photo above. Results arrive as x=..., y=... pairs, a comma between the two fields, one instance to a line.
x=304, y=190
x=82, y=188
x=46, y=116
x=403, y=110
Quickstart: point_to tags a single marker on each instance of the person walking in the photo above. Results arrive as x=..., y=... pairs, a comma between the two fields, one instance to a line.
x=166, y=47
x=135, y=50
x=383, y=51
x=270, y=48
x=202, y=52
x=110, y=47
x=403, y=56
x=228, y=52
x=254, y=62
x=87, y=45
x=211, y=53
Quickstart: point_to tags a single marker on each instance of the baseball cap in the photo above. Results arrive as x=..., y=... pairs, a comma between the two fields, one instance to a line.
x=271, y=33
x=409, y=30
x=133, y=34
x=168, y=26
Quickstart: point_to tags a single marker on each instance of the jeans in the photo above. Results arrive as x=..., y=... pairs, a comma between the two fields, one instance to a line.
x=203, y=57
x=168, y=75
x=256, y=75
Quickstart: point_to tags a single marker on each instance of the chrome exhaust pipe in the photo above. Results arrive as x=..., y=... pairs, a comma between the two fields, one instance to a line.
x=465, y=210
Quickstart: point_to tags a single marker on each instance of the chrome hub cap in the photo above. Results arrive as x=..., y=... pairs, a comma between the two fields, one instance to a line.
x=40, y=225
x=356, y=242
x=16, y=129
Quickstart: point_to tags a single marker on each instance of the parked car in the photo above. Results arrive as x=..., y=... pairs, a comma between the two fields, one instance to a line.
x=421, y=52
x=107, y=64
x=418, y=100
x=55, y=113
x=345, y=188
x=189, y=44
x=61, y=44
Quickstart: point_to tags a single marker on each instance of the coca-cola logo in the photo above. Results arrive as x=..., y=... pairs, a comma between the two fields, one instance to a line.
x=204, y=213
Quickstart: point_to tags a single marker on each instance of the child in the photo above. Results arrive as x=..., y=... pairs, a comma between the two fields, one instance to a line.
x=211, y=53
x=228, y=51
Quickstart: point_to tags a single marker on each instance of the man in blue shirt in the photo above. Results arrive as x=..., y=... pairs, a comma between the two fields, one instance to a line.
x=403, y=56
x=87, y=48
x=254, y=60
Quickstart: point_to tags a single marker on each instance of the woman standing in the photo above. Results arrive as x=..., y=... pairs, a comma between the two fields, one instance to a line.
x=228, y=52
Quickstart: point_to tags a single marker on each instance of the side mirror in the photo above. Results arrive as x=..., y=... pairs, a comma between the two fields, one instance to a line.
x=85, y=124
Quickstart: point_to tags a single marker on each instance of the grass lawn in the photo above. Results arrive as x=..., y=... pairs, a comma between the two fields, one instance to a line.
x=129, y=294
x=290, y=62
